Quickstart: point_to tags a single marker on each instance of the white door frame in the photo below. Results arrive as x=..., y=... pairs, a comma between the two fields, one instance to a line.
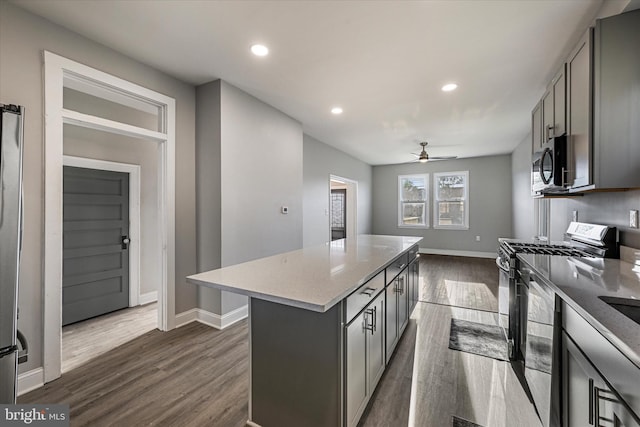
x=352, y=205
x=61, y=72
x=134, y=213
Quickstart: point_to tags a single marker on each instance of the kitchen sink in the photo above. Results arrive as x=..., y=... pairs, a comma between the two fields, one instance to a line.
x=627, y=306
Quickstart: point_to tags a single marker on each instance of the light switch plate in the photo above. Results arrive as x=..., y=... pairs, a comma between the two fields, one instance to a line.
x=633, y=218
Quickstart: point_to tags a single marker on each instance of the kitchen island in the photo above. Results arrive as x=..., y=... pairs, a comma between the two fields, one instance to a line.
x=323, y=323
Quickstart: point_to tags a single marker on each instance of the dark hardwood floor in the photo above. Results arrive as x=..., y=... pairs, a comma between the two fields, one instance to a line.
x=198, y=376
x=459, y=281
x=191, y=376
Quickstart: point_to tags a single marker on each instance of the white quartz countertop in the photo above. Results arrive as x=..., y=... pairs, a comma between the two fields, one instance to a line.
x=580, y=281
x=314, y=278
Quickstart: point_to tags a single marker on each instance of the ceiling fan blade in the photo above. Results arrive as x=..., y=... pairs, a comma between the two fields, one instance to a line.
x=442, y=157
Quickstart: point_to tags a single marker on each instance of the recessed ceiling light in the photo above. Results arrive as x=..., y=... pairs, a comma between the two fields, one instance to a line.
x=449, y=87
x=259, y=50
x=336, y=110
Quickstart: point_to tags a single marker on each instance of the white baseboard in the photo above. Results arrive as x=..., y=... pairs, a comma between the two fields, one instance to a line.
x=30, y=380
x=212, y=319
x=148, y=298
x=472, y=254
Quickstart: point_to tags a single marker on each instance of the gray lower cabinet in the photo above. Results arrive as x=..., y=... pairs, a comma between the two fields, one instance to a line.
x=391, y=316
x=414, y=284
x=365, y=361
x=600, y=386
x=581, y=380
x=397, y=315
x=587, y=398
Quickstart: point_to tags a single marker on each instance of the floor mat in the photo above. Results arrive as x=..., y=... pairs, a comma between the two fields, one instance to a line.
x=460, y=422
x=477, y=338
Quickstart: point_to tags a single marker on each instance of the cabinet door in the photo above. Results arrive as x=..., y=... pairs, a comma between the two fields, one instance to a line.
x=547, y=115
x=536, y=128
x=579, y=108
x=391, y=316
x=584, y=389
x=403, y=301
x=622, y=417
x=559, y=103
x=375, y=343
x=616, y=128
x=356, y=381
x=414, y=283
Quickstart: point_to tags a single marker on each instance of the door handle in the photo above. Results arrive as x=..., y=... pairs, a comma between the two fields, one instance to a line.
x=125, y=242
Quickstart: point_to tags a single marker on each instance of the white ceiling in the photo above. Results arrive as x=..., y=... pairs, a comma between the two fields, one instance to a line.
x=383, y=62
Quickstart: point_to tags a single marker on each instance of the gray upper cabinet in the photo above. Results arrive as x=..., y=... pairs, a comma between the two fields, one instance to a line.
x=536, y=128
x=548, y=118
x=595, y=100
x=547, y=114
x=579, y=111
x=559, y=88
x=554, y=107
x=617, y=102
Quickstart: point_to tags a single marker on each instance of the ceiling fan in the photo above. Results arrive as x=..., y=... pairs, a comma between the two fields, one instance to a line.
x=423, y=157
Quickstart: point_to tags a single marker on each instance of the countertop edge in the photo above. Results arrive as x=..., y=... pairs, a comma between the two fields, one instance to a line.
x=610, y=336
x=266, y=297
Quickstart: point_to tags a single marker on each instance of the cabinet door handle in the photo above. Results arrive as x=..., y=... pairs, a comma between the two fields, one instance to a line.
x=591, y=399
x=548, y=130
x=369, y=326
x=368, y=291
x=375, y=319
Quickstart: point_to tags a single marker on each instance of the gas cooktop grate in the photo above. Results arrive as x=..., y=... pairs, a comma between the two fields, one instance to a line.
x=546, y=249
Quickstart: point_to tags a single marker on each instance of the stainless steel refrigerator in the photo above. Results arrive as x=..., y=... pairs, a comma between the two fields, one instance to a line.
x=12, y=343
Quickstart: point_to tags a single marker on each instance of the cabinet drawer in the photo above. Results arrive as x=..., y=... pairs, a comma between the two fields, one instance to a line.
x=396, y=267
x=413, y=252
x=619, y=372
x=364, y=295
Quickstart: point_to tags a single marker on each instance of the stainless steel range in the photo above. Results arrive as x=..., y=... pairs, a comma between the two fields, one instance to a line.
x=529, y=308
x=581, y=240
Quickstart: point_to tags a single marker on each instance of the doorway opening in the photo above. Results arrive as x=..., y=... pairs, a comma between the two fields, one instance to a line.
x=343, y=202
x=78, y=97
x=107, y=297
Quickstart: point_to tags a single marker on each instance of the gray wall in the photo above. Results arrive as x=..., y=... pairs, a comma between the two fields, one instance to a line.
x=320, y=161
x=23, y=37
x=208, y=189
x=523, y=208
x=610, y=208
x=258, y=151
x=489, y=203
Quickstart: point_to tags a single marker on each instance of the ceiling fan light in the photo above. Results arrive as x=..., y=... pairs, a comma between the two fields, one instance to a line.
x=423, y=159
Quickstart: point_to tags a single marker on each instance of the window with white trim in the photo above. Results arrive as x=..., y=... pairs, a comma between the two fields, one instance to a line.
x=413, y=191
x=451, y=200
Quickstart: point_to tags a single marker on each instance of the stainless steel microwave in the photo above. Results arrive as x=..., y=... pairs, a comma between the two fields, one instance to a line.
x=549, y=167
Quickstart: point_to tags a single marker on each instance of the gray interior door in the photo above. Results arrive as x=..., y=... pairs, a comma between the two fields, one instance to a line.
x=95, y=243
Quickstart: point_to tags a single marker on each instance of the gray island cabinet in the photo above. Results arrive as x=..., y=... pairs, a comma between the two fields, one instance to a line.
x=319, y=320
